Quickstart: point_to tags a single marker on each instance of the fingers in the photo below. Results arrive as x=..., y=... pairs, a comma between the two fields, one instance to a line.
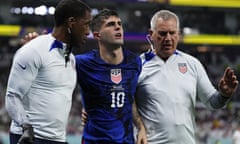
x=28, y=37
x=228, y=74
x=44, y=31
x=228, y=83
x=84, y=118
x=84, y=115
x=142, y=136
x=230, y=78
x=31, y=36
x=141, y=140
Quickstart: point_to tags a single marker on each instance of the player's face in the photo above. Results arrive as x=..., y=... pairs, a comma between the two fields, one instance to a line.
x=165, y=37
x=111, y=31
x=81, y=29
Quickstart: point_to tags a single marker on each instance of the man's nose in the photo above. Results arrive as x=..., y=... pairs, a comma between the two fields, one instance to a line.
x=167, y=36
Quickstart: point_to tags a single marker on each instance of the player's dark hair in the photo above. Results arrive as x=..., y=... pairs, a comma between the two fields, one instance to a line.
x=98, y=19
x=69, y=8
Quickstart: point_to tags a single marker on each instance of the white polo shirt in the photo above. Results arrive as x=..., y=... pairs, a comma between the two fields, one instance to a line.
x=166, y=97
x=45, y=87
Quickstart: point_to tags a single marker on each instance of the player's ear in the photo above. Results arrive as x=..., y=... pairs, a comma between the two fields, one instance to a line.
x=96, y=35
x=70, y=22
x=150, y=32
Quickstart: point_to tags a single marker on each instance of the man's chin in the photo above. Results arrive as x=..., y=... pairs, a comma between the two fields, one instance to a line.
x=82, y=43
x=119, y=43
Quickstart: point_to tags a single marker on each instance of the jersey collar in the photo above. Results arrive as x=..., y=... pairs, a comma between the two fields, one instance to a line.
x=57, y=44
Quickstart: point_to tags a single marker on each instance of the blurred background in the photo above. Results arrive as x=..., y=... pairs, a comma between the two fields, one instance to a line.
x=210, y=31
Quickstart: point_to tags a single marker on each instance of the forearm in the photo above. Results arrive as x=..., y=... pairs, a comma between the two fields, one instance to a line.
x=15, y=108
x=137, y=119
x=218, y=101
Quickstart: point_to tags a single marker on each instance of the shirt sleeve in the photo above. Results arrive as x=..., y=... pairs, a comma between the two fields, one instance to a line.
x=205, y=89
x=15, y=109
x=23, y=71
x=218, y=101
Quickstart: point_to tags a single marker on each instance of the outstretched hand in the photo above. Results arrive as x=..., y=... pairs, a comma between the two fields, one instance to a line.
x=228, y=84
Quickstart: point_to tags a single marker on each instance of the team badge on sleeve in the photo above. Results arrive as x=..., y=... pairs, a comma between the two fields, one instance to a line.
x=182, y=67
x=116, y=76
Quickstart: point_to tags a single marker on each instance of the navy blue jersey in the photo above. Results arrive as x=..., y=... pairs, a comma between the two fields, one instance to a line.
x=108, y=93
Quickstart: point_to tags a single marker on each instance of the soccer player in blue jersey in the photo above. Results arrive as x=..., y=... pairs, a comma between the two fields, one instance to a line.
x=108, y=78
x=43, y=77
x=170, y=83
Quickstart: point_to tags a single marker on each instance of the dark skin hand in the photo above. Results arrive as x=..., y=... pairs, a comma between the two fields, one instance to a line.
x=27, y=136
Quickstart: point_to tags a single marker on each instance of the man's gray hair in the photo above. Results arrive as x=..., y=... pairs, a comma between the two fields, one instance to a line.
x=165, y=15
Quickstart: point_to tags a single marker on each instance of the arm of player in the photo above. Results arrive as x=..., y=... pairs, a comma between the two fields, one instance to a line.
x=141, y=136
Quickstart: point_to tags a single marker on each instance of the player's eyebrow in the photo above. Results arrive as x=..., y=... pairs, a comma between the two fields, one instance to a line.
x=113, y=23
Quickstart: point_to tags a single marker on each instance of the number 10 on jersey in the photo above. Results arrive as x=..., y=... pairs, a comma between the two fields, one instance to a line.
x=117, y=99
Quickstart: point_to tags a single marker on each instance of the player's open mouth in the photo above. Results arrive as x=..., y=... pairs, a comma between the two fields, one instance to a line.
x=118, y=35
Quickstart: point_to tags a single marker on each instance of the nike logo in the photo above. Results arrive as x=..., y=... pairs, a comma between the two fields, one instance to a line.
x=22, y=66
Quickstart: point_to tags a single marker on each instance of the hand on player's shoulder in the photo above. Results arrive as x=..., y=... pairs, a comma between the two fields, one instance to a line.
x=30, y=36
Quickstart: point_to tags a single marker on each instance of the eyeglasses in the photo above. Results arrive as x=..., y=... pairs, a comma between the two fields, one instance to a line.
x=164, y=33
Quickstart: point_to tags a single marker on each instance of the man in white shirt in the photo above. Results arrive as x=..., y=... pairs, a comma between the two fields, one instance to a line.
x=170, y=83
x=43, y=77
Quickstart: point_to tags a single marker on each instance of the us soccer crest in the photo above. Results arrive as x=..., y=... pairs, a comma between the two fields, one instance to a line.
x=116, y=76
x=182, y=67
